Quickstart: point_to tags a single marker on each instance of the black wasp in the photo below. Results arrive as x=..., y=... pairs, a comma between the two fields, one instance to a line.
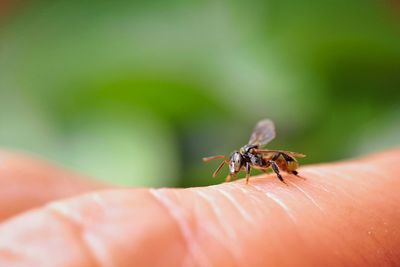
x=253, y=156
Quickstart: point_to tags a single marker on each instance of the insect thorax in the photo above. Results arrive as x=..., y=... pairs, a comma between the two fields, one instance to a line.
x=247, y=149
x=248, y=155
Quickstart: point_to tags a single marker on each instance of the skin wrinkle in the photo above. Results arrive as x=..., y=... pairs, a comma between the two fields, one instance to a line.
x=234, y=203
x=274, y=200
x=307, y=196
x=24, y=254
x=323, y=183
x=257, y=198
x=244, y=191
x=359, y=231
x=96, y=198
x=255, y=201
x=292, y=227
x=247, y=193
x=193, y=248
x=265, y=214
x=214, y=206
x=322, y=174
x=281, y=204
x=97, y=248
x=231, y=247
x=287, y=192
x=316, y=185
x=78, y=229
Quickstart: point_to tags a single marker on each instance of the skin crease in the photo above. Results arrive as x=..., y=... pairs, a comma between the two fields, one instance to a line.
x=341, y=214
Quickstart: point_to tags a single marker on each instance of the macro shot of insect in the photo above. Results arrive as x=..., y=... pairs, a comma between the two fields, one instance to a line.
x=254, y=156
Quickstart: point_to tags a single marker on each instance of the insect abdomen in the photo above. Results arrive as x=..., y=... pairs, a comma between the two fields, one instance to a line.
x=292, y=165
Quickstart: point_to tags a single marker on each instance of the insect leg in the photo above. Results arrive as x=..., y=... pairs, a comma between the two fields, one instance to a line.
x=276, y=170
x=298, y=175
x=248, y=169
x=219, y=168
x=276, y=156
x=206, y=159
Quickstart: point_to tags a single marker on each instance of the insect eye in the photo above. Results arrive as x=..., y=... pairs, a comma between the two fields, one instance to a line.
x=237, y=158
x=236, y=162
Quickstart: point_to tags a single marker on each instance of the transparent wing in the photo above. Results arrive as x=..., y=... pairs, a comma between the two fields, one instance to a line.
x=263, y=133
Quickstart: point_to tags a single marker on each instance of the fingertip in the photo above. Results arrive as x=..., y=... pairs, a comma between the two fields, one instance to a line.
x=107, y=228
x=343, y=213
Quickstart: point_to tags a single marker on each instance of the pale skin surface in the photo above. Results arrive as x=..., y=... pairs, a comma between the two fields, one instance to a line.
x=342, y=214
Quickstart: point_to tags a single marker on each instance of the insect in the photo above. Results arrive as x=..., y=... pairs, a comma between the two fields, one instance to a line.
x=253, y=156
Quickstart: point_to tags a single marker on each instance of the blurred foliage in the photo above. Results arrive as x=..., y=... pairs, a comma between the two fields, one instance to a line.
x=136, y=93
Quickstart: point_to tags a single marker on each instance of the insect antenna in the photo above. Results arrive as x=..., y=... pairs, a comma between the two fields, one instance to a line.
x=219, y=168
x=206, y=159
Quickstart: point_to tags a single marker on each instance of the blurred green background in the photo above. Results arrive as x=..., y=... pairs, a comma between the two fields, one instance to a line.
x=137, y=92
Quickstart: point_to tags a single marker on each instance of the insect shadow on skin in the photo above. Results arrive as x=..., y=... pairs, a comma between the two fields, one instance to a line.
x=253, y=156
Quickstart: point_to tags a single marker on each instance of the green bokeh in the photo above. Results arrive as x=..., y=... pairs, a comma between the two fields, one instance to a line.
x=135, y=93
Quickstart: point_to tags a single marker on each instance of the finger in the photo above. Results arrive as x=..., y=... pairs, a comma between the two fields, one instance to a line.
x=26, y=182
x=343, y=214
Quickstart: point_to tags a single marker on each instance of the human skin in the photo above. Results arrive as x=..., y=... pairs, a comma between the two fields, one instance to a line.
x=342, y=214
x=26, y=182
